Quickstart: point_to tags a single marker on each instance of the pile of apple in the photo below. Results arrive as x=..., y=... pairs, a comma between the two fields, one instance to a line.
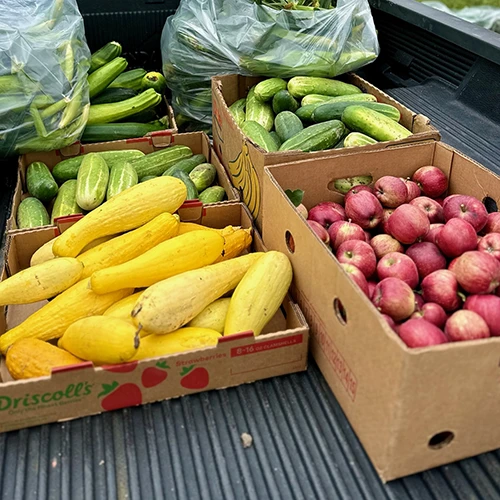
x=430, y=265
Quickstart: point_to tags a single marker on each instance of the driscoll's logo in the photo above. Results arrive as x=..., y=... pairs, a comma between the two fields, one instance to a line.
x=72, y=392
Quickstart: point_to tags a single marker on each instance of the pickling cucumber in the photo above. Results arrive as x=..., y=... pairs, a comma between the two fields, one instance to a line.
x=203, y=176
x=192, y=192
x=237, y=110
x=188, y=164
x=258, y=134
x=300, y=86
x=40, y=182
x=284, y=101
x=357, y=139
x=258, y=111
x=266, y=89
x=156, y=163
x=287, y=125
x=212, y=194
x=121, y=177
x=92, y=181
x=316, y=137
x=65, y=203
x=334, y=110
x=32, y=213
x=322, y=99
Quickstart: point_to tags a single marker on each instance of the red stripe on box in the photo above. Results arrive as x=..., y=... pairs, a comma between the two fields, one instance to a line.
x=236, y=336
x=192, y=204
x=72, y=368
x=267, y=345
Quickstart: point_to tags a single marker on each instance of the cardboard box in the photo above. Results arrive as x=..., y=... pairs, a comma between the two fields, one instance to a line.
x=81, y=390
x=412, y=409
x=197, y=141
x=245, y=161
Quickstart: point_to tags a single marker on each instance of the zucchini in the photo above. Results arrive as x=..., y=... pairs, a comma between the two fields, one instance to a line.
x=203, y=176
x=32, y=213
x=104, y=55
x=237, y=110
x=129, y=79
x=212, y=194
x=316, y=137
x=105, y=113
x=334, y=110
x=258, y=134
x=115, y=131
x=258, y=111
x=92, y=181
x=154, y=80
x=145, y=116
x=192, y=192
x=374, y=124
x=108, y=95
x=103, y=76
x=357, y=139
x=65, y=203
x=40, y=182
x=287, y=125
x=300, y=86
x=276, y=138
x=322, y=99
x=156, y=163
x=284, y=101
x=266, y=89
x=121, y=177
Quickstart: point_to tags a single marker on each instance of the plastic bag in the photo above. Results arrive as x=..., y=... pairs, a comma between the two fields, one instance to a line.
x=44, y=59
x=213, y=37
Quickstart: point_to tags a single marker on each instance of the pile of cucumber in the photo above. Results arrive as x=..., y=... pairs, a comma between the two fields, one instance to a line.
x=124, y=104
x=314, y=114
x=80, y=184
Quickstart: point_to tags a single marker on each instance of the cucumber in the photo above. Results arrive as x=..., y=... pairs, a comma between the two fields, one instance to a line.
x=203, y=176
x=258, y=111
x=287, y=125
x=357, y=139
x=103, y=76
x=154, y=80
x=284, y=101
x=65, y=203
x=115, y=131
x=237, y=110
x=68, y=169
x=32, y=213
x=129, y=79
x=121, y=177
x=258, y=134
x=192, y=192
x=188, y=164
x=316, y=137
x=212, y=194
x=374, y=124
x=40, y=182
x=148, y=178
x=300, y=86
x=334, y=110
x=322, y=99
x=104, y=55
x=156, y=163
x=305, y=112
x=108, y=95
x=266, y=89
x=276, y=138
x=92, y=181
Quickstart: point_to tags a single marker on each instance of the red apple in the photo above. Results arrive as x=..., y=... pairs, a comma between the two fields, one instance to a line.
x=302, y=210
x=439, y=200
x=490, y=244
x=343, y=231
x=326, y=213
x=364, y=209
x=412, y=189
x=357, y=189
x=391, y=191
x=357, y=276
x=398, y=265
x=419, y=302
x=451, y=265
x=389, y=320
x=456, y=237
x=427, y=258
x=395, y=298
x=385, y=219
x=467, y=208
x=359, y=254
x=477, y=272
x=408, y=224
x=371, y=288
x=466, y=325
x=492, y=223
x=434, y=230
x=430, y=207
x=488, y=307
x=441, y=287
x=433, y=313
x=383, y=244
x=431, y=181
x=368, y=236
x=320, y=231
x=421, y=333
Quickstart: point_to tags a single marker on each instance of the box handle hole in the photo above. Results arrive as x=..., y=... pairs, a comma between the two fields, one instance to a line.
x=340, y=311
x=441, y=439
x=490, y=204
x=290, y=243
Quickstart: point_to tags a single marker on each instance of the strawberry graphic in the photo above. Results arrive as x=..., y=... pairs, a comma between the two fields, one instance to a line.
x=155, y=375
x=122, y=368
x=120, y=396
x=194, y=378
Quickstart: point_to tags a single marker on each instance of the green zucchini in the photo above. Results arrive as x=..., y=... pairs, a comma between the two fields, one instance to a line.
x=102, y=77
x=65, y=203
x=284, y=101
x=156, y=163
x=258, y=134
x=300, y=86
x=213, y=194
x=374, y=124
x=276, y=138
x=357, y=139
x=192, y=192
x=154, y=80
x=129, y=79
x=315, y=137
x=92, y=181
x=188, y=164
x=121, y=177
x=266, y=89
x=322, y=99
x=40, y=182
x=108, y=95
x=334, y=110
x=203, y=176
x=258, y=111
x=287, y=125
x=237, y=110
x=32, y=213
x=115, y=131
x=105, y=55
x=145, y=116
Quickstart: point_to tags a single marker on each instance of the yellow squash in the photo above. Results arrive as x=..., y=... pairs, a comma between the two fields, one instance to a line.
x=259, y=294
x=52, y=320
x=213, y=316
x=40, y=282
x=130, y=245
x=128, y=210
x=171, y=303
x=175, y=256
x=29, y=358
x=123, y=310
x=235, y=244
x=184, y=339
x=104, y=340
x=187, y=227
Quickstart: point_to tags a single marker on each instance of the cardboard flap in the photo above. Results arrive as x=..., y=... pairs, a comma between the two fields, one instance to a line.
x=161, y=138
x=74, y=149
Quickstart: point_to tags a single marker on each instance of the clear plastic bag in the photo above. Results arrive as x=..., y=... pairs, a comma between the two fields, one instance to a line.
x=212, y=37
x=44, y=59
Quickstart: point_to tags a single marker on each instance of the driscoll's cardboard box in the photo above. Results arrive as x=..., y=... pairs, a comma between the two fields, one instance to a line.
x=245, y=161
x=412, y=409
x=84, y=389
